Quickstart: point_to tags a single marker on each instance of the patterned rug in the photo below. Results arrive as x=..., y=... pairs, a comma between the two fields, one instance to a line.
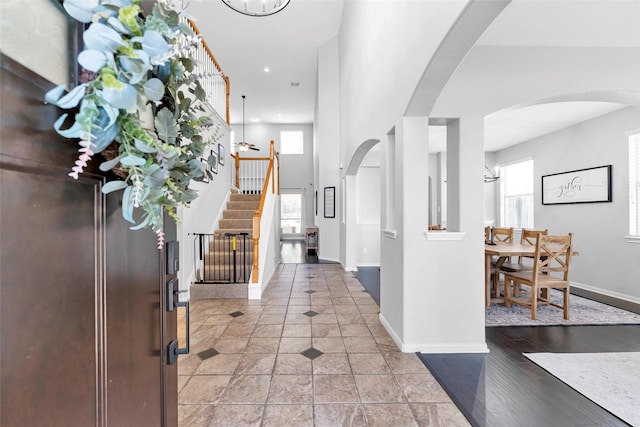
x=582, y=311
x=611, y=380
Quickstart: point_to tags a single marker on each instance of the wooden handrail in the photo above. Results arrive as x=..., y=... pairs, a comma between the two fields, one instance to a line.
x=218, y=67
x=257, y=215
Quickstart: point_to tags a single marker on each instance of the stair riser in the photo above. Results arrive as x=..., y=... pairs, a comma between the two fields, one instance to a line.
x=238, y=214
x=245, y=197
x=243, y=206
x=235, y=223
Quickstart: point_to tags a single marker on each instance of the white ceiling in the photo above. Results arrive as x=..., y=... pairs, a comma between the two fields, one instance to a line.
x=287, y=43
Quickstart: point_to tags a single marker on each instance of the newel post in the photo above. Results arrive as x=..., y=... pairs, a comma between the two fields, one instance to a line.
x=271, y=158
x=237, y=162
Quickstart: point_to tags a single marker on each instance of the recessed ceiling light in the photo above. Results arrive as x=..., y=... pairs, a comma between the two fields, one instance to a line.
x=255, y=119
x=295, y=84
x=266, y=69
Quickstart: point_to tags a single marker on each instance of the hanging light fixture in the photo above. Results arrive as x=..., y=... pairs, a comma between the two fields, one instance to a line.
x=243, y=145
x=257, y=7
x=492, y=177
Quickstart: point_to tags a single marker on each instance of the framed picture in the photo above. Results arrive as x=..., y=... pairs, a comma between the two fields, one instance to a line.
x=213, y=161
x=592, y=185
x=221, y=154
x=205, y=177
x=329, y=202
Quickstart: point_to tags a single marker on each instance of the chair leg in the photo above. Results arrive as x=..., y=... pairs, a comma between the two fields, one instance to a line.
x=534, y=303
x=566, y=303
x=507, y=289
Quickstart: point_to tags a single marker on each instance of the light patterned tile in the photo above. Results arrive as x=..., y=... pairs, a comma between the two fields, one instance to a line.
x=385, y=415
x=339, y=415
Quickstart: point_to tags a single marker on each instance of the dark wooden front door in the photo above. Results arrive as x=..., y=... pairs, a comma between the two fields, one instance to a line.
x=84, y=327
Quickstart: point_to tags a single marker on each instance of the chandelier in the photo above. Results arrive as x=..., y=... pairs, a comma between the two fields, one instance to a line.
x=257, y=7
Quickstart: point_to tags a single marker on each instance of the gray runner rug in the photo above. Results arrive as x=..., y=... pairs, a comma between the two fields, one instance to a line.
x=611, y=380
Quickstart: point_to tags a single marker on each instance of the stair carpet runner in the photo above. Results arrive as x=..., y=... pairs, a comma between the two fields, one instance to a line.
x=237, y=218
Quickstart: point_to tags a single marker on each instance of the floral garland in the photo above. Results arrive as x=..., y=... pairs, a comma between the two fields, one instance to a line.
x=143, y=68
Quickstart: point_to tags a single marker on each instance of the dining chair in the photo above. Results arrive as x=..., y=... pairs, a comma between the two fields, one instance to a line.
x=528, y=237
x=502, y=235
x=551, y=264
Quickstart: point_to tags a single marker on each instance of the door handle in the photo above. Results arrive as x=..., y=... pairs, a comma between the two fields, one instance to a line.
x=173, y=350
x=172, y=292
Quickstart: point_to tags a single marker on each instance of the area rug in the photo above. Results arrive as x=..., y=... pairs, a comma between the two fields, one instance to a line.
x=611, y=380
x=582, y=311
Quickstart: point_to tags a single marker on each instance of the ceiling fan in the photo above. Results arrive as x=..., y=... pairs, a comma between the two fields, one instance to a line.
x=243, y=145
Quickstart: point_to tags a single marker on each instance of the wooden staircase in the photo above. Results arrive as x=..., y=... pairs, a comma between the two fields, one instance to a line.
x=236, y=219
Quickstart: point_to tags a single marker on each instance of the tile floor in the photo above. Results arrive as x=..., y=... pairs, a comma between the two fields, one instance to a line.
x=311, y=352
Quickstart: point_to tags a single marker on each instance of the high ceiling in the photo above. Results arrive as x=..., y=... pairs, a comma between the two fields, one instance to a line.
x=287, y=44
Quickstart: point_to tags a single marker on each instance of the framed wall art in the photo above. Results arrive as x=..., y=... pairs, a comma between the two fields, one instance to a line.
x=221, y=154
x=592, y=185
x=329, y=202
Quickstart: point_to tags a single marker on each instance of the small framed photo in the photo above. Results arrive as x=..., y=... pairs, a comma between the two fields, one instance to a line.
x=213, y=161
x=221, y=154
x=205, y=177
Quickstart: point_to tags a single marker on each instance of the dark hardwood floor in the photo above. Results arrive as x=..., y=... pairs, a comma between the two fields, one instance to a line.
x=504, y=388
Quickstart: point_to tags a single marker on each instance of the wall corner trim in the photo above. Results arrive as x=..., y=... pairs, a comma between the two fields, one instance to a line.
x=445, y=235
x=391, y=234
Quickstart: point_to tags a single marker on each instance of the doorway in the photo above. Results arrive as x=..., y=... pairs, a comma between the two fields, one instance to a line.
x=292, y=214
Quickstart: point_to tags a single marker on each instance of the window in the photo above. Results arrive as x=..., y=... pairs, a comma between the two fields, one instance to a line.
x=516, y=195
x=291, y=142
x=634, y=184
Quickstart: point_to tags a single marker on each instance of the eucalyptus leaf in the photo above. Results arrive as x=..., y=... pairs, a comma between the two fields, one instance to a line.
x=75, y=131
x=155, y=46
x=80, y=10
x=102, y=37
x=92, y=59
x=156, y=179
x=166, y=126
x=143, y=224
x=132, y=161
x=154, y=89
x=124, y=98
x=112, y=186
x=118, y=26
x=127, y=205
x=140, y=145
x=73, y=98
x=109, y=164
x=54, y=94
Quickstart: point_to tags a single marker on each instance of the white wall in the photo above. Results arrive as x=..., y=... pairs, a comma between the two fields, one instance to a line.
x=368, y=215
x=37, y=34
x=202, y=215
x=607, y=263
x=327, y=151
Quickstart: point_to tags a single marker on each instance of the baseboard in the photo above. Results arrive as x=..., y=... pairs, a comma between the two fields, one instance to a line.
x=445, y=348
x=616, y=299
x=372, y=264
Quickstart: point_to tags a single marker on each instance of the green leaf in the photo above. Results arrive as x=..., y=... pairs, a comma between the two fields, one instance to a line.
x=132, y=161
x=113, y=186
x=167, y=126
x=154, y=89
x=140, y=145
x=110, y=164
x=127, y=205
